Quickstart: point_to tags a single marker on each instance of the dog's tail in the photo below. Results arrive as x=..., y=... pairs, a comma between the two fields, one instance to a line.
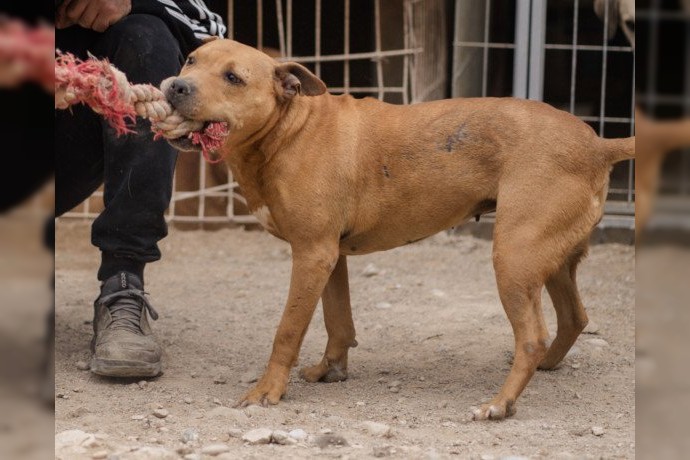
x=619, y=149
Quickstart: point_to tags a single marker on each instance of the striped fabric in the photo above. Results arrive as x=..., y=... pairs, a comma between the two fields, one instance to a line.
x=195, y=15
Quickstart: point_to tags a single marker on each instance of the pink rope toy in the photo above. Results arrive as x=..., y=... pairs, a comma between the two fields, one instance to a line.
x=106, y=90
x=26, y=54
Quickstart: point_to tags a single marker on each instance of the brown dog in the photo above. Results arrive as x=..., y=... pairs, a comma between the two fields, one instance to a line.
x=337, y=176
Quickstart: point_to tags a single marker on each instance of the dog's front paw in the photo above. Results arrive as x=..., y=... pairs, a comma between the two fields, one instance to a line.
x=325, y=371
x=267, y=391
x=495, y=410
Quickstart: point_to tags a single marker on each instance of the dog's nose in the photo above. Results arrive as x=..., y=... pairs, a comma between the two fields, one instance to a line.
x=179, y=88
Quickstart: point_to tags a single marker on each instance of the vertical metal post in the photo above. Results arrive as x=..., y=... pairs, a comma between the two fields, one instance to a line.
x=346, y=49
x=521, y=59
x=289, y=28
x=573, y=62
x=317, y=38
x=259, y=24
x=485, y=51
x=281, y=27
x=230, y=24
x=379, y=61
x=604, y=61
x=536, y=60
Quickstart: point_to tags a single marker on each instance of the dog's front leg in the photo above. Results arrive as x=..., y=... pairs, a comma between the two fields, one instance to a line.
x=337, y=315
x=311, y=267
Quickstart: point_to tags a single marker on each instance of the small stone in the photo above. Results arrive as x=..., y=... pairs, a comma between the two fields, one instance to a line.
x=160, y=413
x=138, y=417
x=326, y=431
x=217, y=402
x=597, y=431
x=189, y=435
x=377, y=429
x=143, y=384
x=383, y=305
x=597, y=342
x=100, y=454
x=214, y=449
x=220, y=380
x=83, y=366
x=370, y=270
x=282, y=438
x=575, y=365
x=395, y=389
x=438, y=293
x=192, y=457
x=298, y=434
x=360, y=404
x=258, y=436
x=394, y=383
x=188, y=400
x=71, y=438
x=193, y=375
x=235, y=433
x=591, y=328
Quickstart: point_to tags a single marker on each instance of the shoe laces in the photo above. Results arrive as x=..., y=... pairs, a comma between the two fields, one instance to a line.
x=126, y=307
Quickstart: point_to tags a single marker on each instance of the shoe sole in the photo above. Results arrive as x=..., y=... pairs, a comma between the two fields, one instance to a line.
x=114, y=368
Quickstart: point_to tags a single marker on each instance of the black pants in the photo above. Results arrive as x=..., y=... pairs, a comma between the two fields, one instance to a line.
x=137, y=172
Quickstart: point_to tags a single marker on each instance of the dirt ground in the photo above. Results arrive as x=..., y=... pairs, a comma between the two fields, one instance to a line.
x=433, y=341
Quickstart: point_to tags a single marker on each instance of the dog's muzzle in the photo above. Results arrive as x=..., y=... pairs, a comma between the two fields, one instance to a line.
x=178, y=91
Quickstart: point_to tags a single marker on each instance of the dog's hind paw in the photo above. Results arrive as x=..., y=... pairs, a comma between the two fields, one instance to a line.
x=324, y=372
x=493, y=411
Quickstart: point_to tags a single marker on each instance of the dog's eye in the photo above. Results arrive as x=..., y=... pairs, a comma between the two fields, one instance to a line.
x=232, y=78
x=190, y=60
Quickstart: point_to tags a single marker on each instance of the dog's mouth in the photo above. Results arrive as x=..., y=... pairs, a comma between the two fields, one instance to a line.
x=207, y=138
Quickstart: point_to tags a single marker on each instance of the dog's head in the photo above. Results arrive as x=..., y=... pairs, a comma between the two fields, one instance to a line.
x=224, y=80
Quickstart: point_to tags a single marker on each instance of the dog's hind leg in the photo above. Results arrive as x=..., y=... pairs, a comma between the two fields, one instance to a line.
x=520, y=294
x=341, y=329
x=533, y=239
x=570, y=312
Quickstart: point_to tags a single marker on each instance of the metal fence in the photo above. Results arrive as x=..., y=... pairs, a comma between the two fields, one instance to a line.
x=557, y=52
x=415, y=50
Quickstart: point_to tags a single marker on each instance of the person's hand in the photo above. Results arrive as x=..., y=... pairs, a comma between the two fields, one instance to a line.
x=97, y=15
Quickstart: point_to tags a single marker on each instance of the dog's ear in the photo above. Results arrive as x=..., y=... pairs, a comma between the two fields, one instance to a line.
x=210, y=38
x=296, y=79
x=613, y=10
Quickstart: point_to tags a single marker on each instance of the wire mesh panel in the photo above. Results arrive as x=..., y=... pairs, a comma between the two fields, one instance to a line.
x=559, y=52
x=585, y=46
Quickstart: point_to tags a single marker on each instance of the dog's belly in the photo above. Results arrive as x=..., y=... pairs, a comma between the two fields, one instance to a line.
x=389, y=234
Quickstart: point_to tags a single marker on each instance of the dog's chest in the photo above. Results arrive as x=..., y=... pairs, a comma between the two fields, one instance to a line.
x=263, y=215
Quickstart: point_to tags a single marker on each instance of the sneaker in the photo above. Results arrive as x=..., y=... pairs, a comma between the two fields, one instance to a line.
x=123, y=344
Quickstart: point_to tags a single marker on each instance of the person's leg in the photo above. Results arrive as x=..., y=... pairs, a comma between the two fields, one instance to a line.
x=138, y=171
